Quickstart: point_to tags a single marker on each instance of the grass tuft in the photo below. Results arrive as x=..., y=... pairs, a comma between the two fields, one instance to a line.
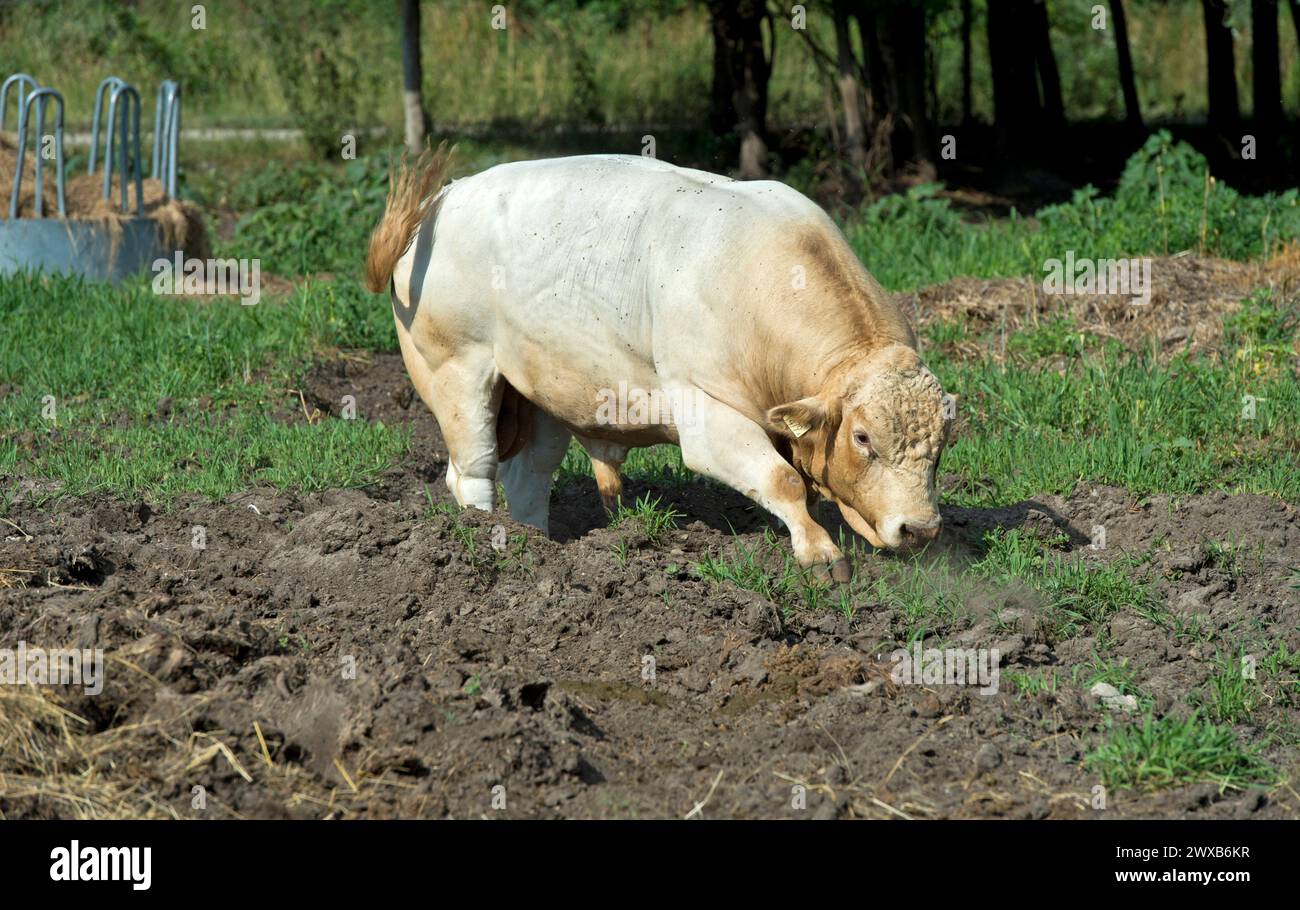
x=1170, y=751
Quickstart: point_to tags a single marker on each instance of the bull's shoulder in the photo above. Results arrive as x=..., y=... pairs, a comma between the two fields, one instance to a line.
x=820, y=277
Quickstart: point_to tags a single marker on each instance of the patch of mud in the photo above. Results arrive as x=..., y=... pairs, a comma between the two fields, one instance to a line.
x=1189, y=297
x=354, y=653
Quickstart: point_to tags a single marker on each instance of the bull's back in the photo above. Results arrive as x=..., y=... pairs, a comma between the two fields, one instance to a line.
x=583, y=273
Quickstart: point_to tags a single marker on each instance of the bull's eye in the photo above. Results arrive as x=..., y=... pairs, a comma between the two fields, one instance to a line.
x=864, y=441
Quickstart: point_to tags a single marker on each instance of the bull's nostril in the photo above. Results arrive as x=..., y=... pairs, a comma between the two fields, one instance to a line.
x=914, y=535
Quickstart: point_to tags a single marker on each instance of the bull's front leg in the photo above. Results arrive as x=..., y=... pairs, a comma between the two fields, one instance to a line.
x=722, y=443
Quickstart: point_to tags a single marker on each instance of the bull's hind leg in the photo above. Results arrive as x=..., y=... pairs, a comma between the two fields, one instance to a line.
x=606, y=461
x=462, y=394
x=728, y=446
x=527, y=475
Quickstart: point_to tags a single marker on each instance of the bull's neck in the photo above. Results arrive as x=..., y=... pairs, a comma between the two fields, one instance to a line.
x=824, y=365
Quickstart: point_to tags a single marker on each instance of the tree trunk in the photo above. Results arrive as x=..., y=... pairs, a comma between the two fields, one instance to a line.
x=1132, y=109
x=966, y=23
x=855, y=133
x=417, y=121
x=1267, y=90
x=1016, y=108
x=738, y=31
x=902, y=44
x=1220, y=73
x=1048, y=75
x=1295, y=18
x=722, y=116
x=877, y=97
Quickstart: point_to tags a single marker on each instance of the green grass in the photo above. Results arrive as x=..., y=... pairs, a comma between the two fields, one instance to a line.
x=1033, y=682
x=932, y=597
x=498, y=552
x=1077, y=595
x=929, y=597
x=653, y=517
x=1068, y=594
x=1127, y=419
x=1229, y=695
x=117, y=390
x=1225, y=556
x=1115, y=673
x=770, y=569
x=1280, y=669
x=1170, y=751
x=218, y=457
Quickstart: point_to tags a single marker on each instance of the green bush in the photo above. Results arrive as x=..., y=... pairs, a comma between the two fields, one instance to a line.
x=1166, y=202
x=324, y=230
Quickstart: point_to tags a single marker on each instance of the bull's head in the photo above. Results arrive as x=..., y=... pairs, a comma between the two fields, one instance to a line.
x=871, y=441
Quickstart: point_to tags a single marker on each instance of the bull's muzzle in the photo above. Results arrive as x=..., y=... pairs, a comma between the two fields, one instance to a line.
x=910, y=533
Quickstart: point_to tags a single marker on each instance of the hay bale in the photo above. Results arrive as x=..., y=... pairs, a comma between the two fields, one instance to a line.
x=180, y=226
x=27, y=198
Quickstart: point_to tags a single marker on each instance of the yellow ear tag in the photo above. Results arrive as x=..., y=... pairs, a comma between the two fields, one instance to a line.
x=797, y=428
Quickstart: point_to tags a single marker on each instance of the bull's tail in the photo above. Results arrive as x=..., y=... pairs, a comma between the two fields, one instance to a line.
x=408, y=188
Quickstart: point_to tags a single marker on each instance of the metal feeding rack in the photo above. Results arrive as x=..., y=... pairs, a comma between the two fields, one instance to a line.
x=95, y=247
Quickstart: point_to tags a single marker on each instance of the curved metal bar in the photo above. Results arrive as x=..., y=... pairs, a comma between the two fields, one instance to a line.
x=166, y=135
x=174, y=143
x=22, y=79
x=163, y=92
x=157, y=132
x=40, y=97
x=125, y=127
x=109, y=146
x=109, y=82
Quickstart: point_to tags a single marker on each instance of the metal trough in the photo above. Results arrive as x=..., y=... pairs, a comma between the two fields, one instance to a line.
x=68, y=246
x=96, y=249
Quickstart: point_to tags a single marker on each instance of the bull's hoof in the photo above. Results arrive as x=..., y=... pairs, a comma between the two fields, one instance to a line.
x=838, y=572
x=842, y=571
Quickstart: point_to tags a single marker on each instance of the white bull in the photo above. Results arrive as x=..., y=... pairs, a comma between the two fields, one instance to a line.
x=526, y=295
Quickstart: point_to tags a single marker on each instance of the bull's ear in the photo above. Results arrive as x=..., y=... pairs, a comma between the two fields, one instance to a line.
x=797, y=418
x=950, y=405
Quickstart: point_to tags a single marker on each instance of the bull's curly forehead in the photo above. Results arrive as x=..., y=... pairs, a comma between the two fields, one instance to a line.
x=903, y=409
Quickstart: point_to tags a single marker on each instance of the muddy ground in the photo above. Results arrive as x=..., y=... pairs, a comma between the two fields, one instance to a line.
x=350, y=653
x=1189, y=297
